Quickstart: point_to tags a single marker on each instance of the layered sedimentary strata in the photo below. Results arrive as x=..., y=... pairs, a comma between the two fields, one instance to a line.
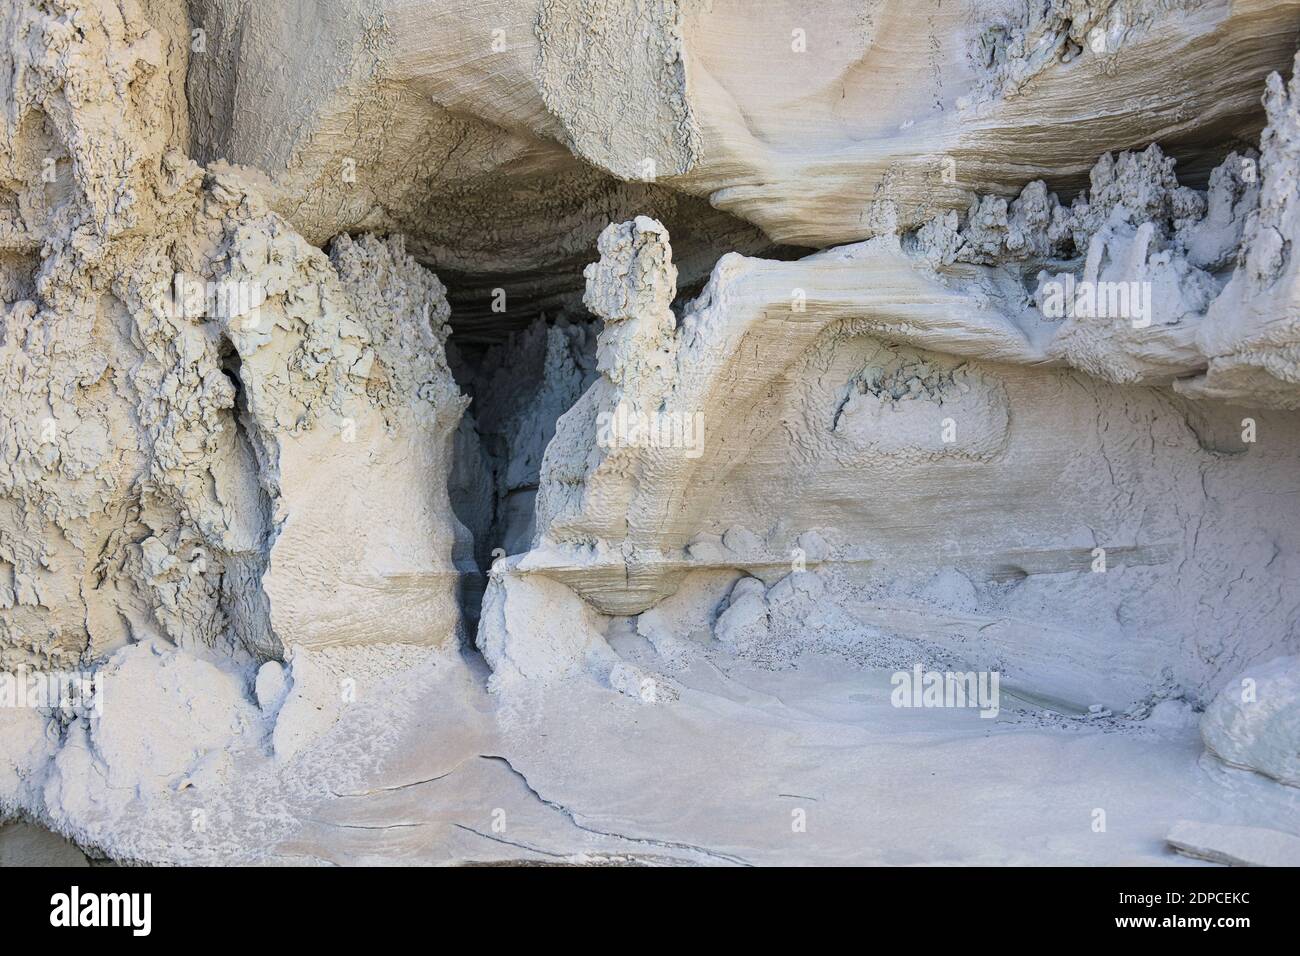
x=508, y=168
x=942, y=385
x=976, y=98
x=524, y=126
x=746, y=432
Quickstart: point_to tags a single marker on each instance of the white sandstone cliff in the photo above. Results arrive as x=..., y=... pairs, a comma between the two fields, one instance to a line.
x=959, y=339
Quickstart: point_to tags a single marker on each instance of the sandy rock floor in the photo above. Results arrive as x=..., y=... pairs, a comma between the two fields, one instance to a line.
x=749, y=766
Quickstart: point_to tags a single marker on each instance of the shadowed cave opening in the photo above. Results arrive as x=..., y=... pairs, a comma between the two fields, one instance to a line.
x=519, y=384
x=524, y=353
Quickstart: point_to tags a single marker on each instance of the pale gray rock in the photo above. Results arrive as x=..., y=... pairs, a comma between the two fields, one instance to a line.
x=1235, y=845
x=1254, y=722
x=390, y=406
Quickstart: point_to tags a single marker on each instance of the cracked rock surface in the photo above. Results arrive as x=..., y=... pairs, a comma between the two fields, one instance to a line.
x=575, y=431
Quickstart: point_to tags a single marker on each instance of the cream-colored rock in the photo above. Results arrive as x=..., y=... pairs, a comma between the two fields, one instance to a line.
x=107, y=762
x=195, y=397
x=516, y=150
x=816, y=122
x=1251, y=334
x=28, y=739
x=270, y=686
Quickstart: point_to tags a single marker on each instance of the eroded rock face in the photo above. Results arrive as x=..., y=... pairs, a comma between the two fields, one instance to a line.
x=965, y=335
x=1250, y=335
x=908, y=119
x=716, y=438
x=525, y=126
x=207, y=417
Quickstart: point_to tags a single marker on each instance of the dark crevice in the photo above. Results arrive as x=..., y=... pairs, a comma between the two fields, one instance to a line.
x=518, y=387
x=243, y=597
